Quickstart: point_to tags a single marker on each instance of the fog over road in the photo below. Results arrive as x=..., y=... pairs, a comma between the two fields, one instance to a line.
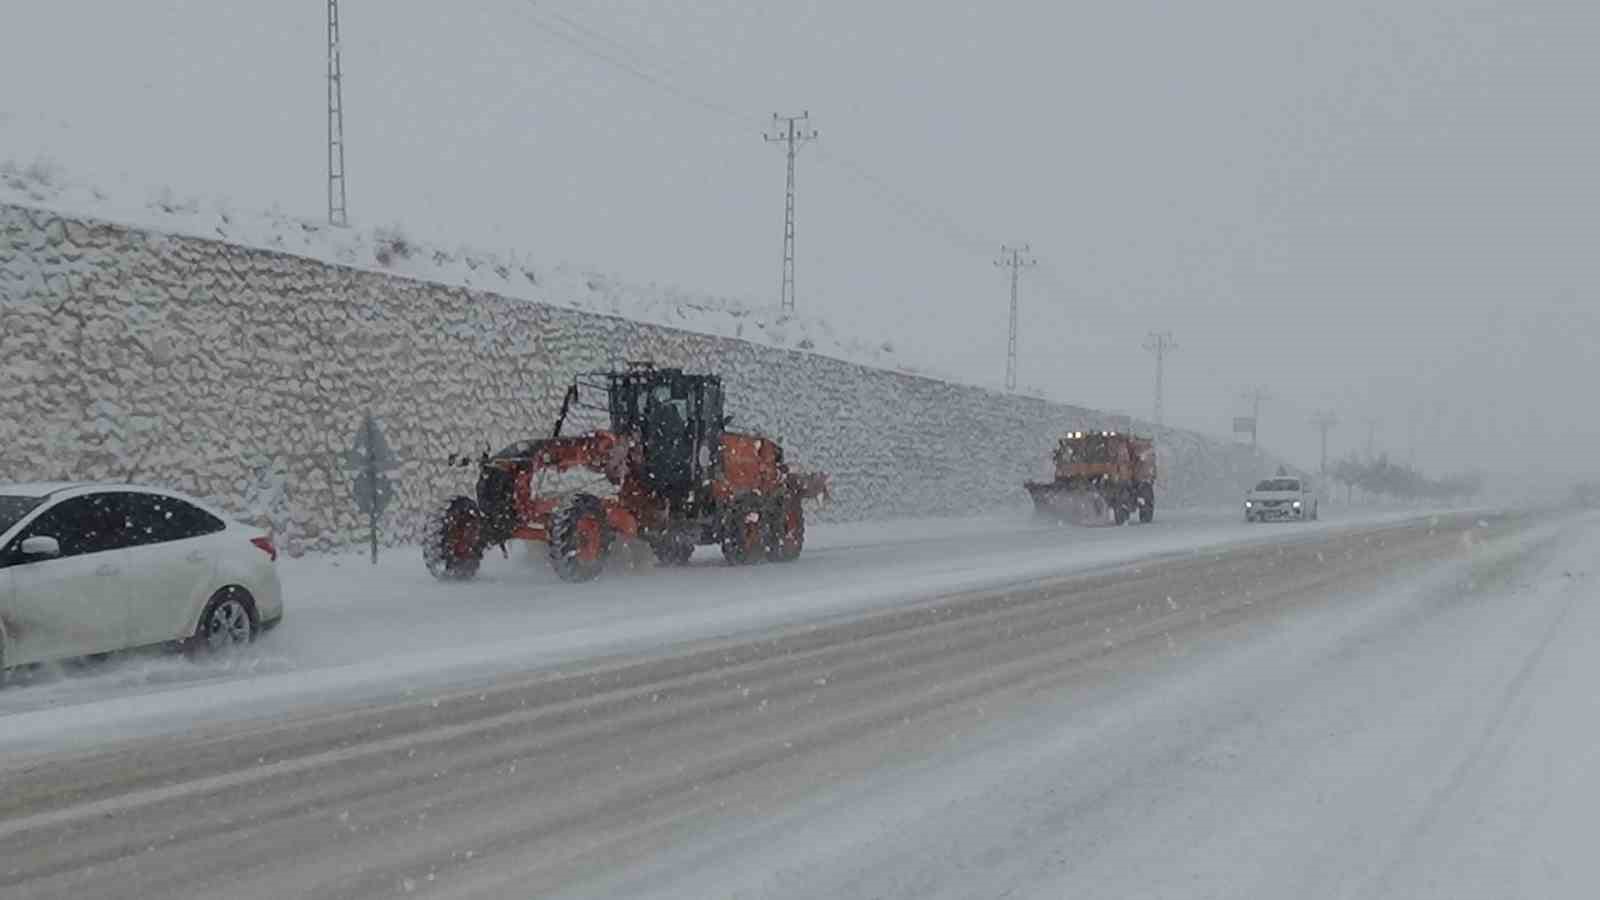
x=1388, y=709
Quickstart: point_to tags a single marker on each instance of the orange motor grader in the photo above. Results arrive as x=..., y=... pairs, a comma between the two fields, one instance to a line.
x=681, y=479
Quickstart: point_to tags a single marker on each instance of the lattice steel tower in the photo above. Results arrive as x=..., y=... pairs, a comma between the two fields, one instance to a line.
x=1160, y=343
x=336, y=201
x=1012, y=258
x=792, y=131
x=1325, y=421
x=1255, y=396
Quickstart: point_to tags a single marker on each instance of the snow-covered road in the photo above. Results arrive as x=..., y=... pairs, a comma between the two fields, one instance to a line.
x=353, y=630
x=1432, y=737
x=1400, y=710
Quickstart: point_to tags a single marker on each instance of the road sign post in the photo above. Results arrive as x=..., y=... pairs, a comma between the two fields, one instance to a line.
x=371, y=457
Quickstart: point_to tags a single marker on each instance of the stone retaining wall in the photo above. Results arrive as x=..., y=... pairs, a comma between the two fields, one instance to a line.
x=240, y=375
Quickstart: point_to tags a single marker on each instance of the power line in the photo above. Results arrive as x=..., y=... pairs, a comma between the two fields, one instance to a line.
x=594, y=34
x=791, y=131
x=623, y=58
x=1160, y=343
x=931, y=219
x=1011, y=258
x=636, y=70
x=897, y=200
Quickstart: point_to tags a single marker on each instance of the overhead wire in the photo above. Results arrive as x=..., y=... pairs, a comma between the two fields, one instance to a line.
x=535, y=13
x=926, y=216
x=930, y=218
x=583, y=37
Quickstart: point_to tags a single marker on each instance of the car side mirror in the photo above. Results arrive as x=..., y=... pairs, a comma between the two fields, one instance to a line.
x=41, y=546
x=726, y=420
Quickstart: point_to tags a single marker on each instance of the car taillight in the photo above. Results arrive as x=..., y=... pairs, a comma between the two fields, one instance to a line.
x=264, y=544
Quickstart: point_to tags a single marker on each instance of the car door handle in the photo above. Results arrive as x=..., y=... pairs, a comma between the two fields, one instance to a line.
x=108, y=569
x=195, y=556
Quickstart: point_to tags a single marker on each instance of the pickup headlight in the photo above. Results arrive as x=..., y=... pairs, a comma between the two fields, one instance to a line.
x=1247, y=504
x=1297, y=504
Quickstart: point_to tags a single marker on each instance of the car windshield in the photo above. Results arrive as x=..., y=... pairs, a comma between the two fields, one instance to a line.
x=1279, y=484
x=13, y=508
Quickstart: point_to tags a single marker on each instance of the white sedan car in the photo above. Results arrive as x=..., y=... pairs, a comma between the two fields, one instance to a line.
x=92, y=568
x=1284, y=497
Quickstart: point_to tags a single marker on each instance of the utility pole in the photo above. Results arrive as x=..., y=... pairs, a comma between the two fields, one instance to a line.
x=1160, y=343
x=1012, y=258
x=791, y=131
x=1325, y=420
x=1372, y=423
x=337, y=215
x=1255, y=395
x=1411, y=431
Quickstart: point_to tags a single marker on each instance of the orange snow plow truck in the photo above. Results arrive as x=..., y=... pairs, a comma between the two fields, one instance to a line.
x=1100, y=476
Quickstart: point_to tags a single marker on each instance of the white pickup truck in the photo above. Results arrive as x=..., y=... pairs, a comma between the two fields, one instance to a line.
x=1283, y=497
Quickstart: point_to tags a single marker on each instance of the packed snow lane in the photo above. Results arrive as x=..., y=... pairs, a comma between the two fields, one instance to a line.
x=355, y=630
x=1396, y=711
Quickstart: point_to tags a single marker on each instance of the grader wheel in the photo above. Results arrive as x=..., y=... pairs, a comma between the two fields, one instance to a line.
x=787, y=536
x=673, y=549
x=580, y=539
x=745, y=531
x=450, y=540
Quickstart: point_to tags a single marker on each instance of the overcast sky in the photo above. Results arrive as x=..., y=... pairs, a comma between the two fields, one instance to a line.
x=1387, y=209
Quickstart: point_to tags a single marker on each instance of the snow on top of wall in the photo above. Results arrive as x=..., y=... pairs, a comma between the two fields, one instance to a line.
x=391, y=249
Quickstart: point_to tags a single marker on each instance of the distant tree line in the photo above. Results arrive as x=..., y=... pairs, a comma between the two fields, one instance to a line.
x=1379, y=476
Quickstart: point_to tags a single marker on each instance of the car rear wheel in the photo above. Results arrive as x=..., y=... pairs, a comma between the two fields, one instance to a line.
x=228, y=622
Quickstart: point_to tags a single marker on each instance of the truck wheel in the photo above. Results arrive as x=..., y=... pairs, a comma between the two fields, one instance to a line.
x=580, y=539
x=1147, y=509
x=451, y=547
x=788, y=535
x=1119, y=512
x=744, y=531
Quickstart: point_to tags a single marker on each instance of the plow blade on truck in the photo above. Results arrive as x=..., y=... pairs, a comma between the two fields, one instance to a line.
x=1076, y=505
